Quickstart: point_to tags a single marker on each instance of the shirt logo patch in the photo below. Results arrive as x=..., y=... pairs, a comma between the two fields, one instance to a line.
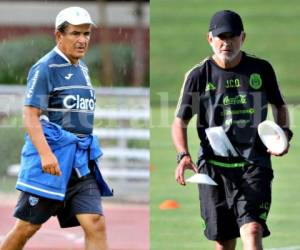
x=33, y=200
x=78, y=102
x=239, y=99
x=68, y=77
x=255, y=81
x=210, y=86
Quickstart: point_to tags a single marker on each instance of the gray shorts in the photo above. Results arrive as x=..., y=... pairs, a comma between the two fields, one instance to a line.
x=82, y=197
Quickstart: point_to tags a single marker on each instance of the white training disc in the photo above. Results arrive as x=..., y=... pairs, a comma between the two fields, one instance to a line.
x=201, y=179
x=272, y=136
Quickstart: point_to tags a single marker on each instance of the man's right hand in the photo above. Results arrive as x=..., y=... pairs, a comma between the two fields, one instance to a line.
x=50, y=164
x=185, y=163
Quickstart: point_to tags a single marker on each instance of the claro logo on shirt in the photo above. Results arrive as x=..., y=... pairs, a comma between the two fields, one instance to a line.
x=77, y=102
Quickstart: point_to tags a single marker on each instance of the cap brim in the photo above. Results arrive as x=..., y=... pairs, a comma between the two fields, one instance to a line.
x=219, y=31
x=81, y=22
x=77, y=23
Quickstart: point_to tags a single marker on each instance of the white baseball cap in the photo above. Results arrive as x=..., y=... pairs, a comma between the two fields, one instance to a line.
x=74, y=16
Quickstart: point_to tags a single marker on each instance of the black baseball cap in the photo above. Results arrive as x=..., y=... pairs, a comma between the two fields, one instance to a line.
x=226, y=21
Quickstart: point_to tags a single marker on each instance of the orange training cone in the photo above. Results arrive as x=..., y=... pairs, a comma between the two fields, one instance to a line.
x=169, y=204
x=152, y=167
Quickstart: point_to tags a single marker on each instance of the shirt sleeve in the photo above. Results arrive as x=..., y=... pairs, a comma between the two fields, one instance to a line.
x=273, y=92
x=188, y=103
x=37, y=93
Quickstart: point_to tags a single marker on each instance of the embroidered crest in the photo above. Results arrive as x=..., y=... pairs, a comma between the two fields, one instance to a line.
x=33, y=200
x=255, y=81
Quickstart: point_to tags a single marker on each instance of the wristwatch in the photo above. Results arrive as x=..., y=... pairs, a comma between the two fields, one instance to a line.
x=180, y=155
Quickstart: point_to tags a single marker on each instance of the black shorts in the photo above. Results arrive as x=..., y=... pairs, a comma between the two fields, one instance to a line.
x=243, y=195
x=82, y=197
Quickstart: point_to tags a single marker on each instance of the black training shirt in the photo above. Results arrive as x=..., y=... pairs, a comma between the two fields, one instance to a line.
x=235, y=98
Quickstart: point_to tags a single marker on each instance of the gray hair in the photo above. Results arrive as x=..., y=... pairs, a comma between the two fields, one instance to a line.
x=62, y=27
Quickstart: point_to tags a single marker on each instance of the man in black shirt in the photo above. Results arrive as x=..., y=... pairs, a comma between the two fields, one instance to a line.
x=230, y=89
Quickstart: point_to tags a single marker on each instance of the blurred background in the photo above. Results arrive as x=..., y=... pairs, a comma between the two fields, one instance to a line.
x=178, y=42
x=118, y=61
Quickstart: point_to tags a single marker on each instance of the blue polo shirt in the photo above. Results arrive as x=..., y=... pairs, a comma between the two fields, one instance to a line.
x=63, y=92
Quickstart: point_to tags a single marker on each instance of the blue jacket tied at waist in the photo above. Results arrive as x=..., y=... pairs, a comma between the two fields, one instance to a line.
x=72, y=152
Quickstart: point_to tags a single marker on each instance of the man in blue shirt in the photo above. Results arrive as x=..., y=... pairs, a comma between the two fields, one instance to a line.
x=60, y=90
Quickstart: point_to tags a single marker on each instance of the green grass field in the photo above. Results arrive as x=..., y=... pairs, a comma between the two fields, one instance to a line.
x=181, y=228
x=178, y=41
